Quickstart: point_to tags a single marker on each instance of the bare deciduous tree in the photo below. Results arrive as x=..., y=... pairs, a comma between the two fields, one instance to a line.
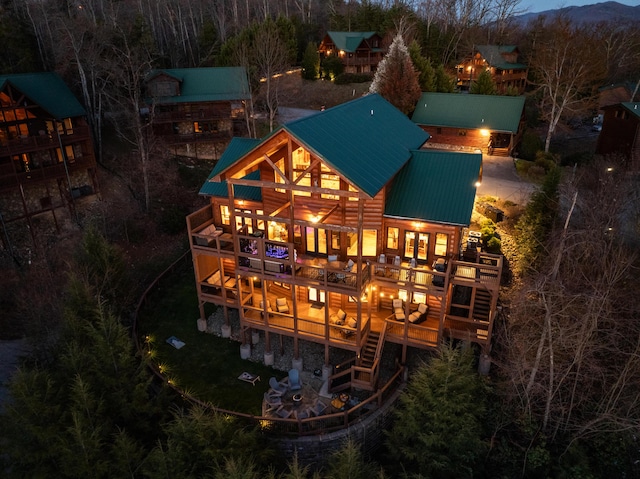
x=566, y=70
x=572, y=338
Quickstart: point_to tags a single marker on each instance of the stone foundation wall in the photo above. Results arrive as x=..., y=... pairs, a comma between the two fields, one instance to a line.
x=369, y=434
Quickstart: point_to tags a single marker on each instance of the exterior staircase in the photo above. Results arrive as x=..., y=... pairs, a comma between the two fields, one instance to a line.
x=482, y=305
x=362, y=372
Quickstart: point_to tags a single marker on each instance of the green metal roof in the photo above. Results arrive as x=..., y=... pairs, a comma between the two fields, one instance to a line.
x=48, y=91
x=366, y=140
x=493, y=55
x=633, y=107
x=349, y=41
x=237, y=148
x=241, y=192
x=206, y=84
x=461, y=110
x=435, y=186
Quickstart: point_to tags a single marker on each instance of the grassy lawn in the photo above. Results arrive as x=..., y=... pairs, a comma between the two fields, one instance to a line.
x=207, y=366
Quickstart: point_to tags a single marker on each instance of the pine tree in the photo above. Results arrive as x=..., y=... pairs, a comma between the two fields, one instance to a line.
x=426, y=72
x=310, y=62
x=396, y=79
x=438, y=425
x=484, y=85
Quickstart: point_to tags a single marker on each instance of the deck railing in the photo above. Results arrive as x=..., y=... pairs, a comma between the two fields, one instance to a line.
x=273, y=425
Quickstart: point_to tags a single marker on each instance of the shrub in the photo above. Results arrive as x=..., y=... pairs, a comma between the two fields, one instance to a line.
x=547, y=161
x=493, y=245
x=530, y=145
x=331, y=67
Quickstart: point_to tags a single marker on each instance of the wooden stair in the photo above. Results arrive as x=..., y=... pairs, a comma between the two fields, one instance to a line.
x=368, y=352
x=482, y=305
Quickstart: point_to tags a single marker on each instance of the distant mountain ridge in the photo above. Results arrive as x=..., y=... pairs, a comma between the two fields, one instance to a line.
x=598, y=12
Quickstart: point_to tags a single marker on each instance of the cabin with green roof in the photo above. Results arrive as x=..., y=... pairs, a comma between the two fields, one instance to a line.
x=47, y=160
x=492, y=124
x=340, y=228
x=619, y=139
x=360, y=52
x=502, y=62
x=196, y=111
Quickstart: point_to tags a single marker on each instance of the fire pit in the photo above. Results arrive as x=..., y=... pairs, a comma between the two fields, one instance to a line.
x=297, y=398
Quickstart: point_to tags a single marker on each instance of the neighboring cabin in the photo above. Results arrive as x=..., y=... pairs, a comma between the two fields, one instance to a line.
x=620, y=135
x=47, y=158
x=501, y=60
x=339, y=229
x=360, y=52
x=196, y=111
x=488, y=123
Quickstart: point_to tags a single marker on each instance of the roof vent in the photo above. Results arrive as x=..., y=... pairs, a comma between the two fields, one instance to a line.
x=635, y=107
x=371, y=112
x=482, y=121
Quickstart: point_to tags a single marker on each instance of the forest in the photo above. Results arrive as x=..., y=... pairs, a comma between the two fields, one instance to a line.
x=562, y=399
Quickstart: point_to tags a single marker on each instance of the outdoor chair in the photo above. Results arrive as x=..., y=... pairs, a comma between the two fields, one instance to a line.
x=284, y=413
x=318, y=408
x=269, y=310
x=420, y=315
x=274, y=402
x=398, y=309
x=277, y=387
x=282, y=306
x=350, y=265
x=294, y=380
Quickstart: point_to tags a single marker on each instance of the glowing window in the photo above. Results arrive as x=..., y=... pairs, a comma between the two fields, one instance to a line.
x=225, y=216
x=442, y=240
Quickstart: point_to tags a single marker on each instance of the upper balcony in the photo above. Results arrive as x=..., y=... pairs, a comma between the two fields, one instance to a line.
x=44, y=141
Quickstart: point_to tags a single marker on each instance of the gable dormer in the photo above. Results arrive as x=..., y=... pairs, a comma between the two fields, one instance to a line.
x=163, y=85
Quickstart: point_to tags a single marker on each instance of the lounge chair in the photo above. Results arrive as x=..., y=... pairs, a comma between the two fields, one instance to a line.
x=350, y=265
x=273, y=401
x=277, y=387
x=398, y=309
x=294, y=380
x=420, y=315
x=284, y=413
x=282, y=306
x=318, y=408
x=269, y=310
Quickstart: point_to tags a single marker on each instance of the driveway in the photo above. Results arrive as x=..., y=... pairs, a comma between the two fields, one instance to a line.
x=499, y=179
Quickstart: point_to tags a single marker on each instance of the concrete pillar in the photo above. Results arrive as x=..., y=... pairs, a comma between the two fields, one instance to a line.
x=296, y=363
x=484, y=364
x=202, y=325
x=326, y=372
x=255, y=337
x=245, y=351
x=268, y=358
x=226, y=331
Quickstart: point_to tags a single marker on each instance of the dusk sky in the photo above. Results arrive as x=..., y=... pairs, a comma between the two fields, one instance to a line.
x=542, y=5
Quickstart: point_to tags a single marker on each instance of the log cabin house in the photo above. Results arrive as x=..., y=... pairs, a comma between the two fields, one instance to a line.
x=620, y=135
x=492, y=124
x=47, y=158
x=360, y=52
x=501, y=61
x=196, y=111
x=339, y=229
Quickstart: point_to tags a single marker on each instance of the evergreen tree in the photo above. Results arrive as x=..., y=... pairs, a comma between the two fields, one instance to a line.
x=438, y=425
x=444, y=82
x=426, y=72
x=396, y=79
x=484, y=85
x=310, y=62
x=349, y=463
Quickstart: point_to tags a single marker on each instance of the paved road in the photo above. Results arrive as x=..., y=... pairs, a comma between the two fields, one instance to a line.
x=499, y=178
